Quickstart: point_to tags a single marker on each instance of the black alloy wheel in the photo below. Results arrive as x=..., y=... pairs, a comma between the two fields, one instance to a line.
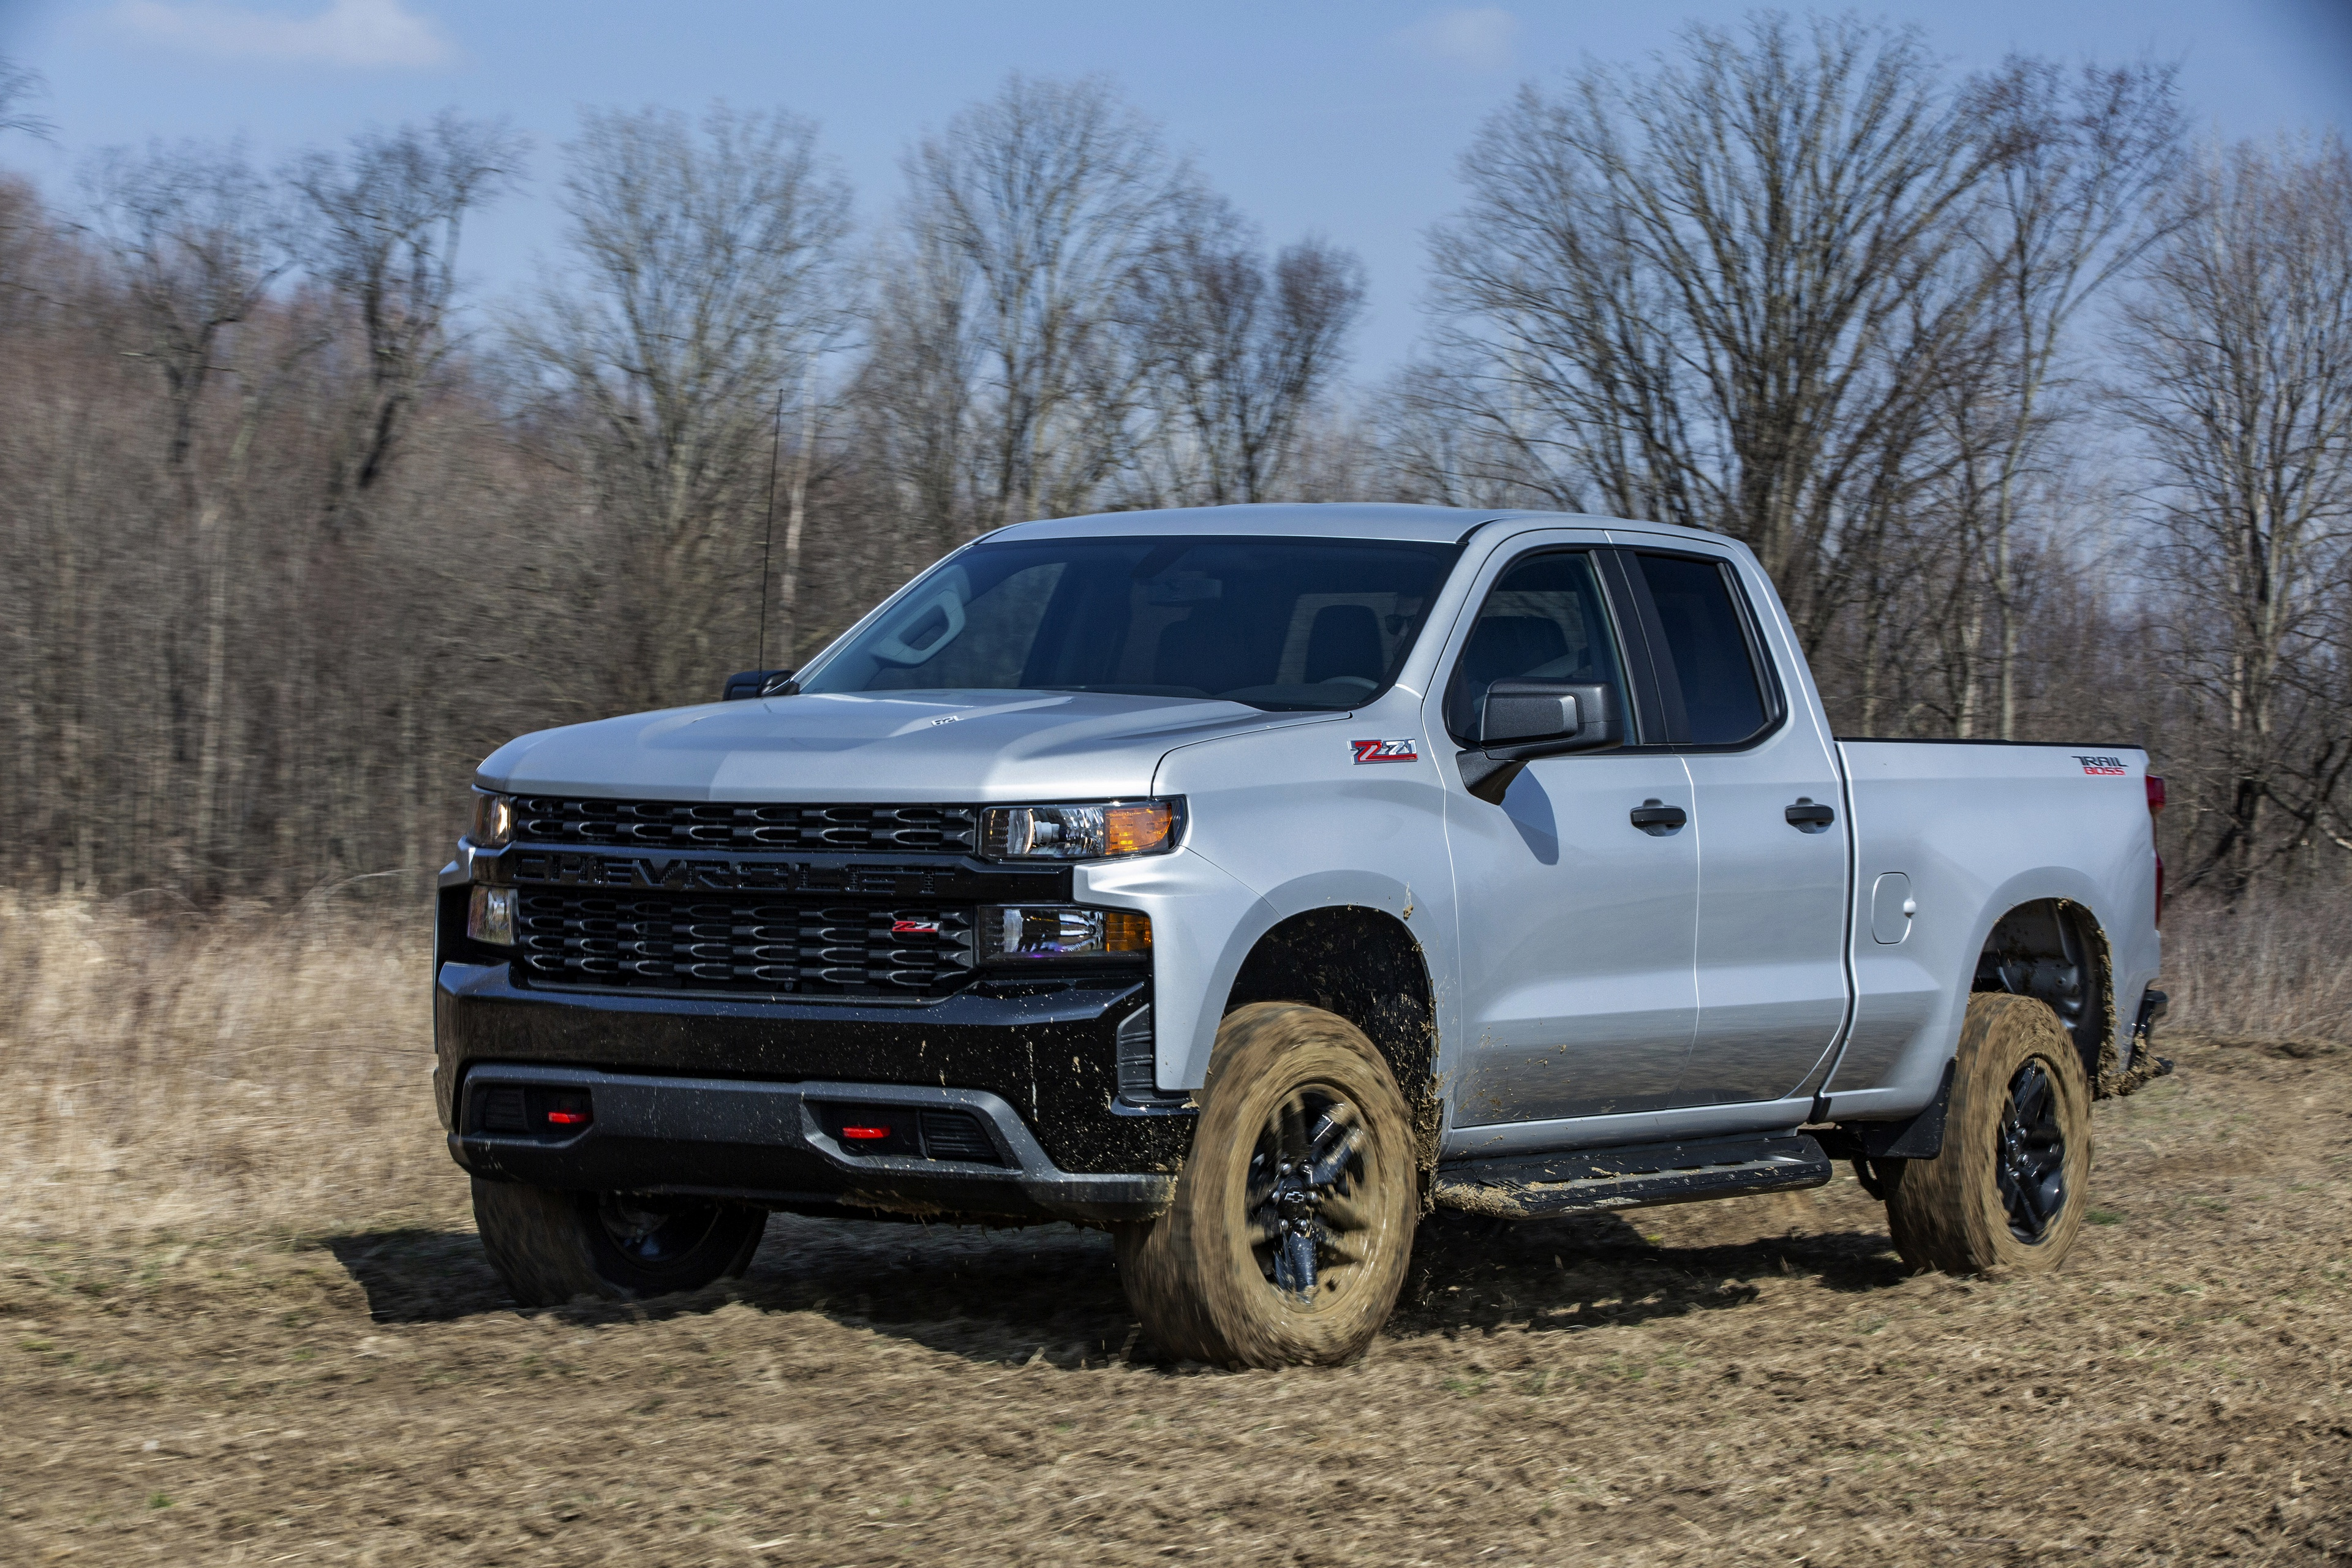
x=2030, y=1161
x=1290, y=1228
x=2007, y=1190
x=1304, y=1175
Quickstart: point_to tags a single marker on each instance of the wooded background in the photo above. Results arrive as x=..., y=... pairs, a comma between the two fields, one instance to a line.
x=2038, y=410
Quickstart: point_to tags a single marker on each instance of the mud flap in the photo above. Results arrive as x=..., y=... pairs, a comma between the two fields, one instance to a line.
x=1921, y=1138
x=2113, y=1080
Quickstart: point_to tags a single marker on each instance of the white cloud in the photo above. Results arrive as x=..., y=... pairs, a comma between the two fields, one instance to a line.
x=347, y=33
x=1478, y=37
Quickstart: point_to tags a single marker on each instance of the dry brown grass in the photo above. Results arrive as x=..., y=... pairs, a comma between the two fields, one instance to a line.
x=231, y=1331
x=2279, y=967
x=260, y=1072
x=251, y=1072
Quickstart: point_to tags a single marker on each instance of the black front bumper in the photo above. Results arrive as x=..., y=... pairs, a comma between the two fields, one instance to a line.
x=721, y=1096
x=773, y=1143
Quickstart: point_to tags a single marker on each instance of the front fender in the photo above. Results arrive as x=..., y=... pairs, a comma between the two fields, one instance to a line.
x=1203, y=923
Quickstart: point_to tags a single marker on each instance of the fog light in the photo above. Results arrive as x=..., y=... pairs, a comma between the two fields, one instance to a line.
x=1020, y=933
x=491, y=917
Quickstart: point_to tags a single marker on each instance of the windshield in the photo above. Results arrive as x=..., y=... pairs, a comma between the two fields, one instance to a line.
x=1273, y=623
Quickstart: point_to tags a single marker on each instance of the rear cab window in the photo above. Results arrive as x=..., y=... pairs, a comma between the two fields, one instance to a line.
x=1704, y=651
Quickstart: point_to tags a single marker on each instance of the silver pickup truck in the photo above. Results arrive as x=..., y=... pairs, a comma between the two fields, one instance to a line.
x=1253, y=880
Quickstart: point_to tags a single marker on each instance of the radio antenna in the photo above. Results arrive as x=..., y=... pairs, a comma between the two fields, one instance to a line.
x=768, y=541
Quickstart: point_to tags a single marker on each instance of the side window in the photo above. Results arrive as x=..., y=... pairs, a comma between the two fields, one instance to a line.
x=1707, y=661
x=1542, y=620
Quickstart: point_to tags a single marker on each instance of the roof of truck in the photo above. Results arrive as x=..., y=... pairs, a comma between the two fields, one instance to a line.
x=1326, y=520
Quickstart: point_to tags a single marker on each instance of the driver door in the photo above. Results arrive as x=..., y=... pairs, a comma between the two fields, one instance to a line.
x=1577, y=929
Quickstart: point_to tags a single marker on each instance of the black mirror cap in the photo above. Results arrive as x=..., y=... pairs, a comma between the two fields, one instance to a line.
x=1520, y=711
x=747, y=684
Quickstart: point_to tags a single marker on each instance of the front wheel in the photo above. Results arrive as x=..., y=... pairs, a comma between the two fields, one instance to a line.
x=551, y=1245
x=1292, y=1223
x=2010, y=1188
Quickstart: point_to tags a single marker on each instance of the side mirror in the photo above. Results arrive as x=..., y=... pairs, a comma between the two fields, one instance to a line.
x=1521, y=719
x=751, y=683
x=1530, y=712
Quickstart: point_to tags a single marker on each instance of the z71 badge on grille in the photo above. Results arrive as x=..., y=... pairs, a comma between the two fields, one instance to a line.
x=1386, y=751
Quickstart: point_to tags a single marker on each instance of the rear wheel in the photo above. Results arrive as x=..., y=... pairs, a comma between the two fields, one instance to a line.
x=551, y=1246
x=1292, y=1223
x=2011, y=1187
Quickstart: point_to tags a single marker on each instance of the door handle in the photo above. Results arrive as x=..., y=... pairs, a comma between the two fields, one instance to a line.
x=1807, y=817
x=1655, y=818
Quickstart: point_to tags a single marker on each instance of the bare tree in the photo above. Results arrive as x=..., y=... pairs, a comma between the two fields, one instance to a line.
x=18, y=86
x=1453, y=434
x=199, y=238
x=1790, y=286
x=1237, y=353
x=2237, y=352
x=383, y=223
x=1025, y=221
x=710, y=273
x=2079, y=162
x=1713, y=295
x=917, y=387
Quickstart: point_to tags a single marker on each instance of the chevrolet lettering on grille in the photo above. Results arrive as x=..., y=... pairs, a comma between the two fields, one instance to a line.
x=693, y=873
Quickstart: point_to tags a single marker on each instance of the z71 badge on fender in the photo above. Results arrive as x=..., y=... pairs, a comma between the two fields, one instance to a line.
x=1386, y=751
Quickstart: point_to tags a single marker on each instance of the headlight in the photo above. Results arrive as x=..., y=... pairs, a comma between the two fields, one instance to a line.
x=1080, y=832
x=493, y=820
x=1027, y=932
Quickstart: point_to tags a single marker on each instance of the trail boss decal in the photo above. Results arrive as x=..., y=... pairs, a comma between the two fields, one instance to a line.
x=2101, y=766
x=1385, y=752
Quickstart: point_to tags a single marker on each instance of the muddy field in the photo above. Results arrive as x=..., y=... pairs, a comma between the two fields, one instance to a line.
x=1756, y=1381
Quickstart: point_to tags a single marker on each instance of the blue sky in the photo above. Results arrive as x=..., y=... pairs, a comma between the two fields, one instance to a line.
x=1317, y=116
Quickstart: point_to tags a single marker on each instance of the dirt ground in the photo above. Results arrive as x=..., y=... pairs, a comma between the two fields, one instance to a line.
x=1756, y=1381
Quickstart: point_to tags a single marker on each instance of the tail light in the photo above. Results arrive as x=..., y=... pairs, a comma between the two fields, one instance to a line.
x=2154, y=793
x=2155, y=805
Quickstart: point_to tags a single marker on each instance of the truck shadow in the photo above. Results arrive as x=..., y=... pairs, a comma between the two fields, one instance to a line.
x=1567, y=1275
x=1052, y=1293
x=416, y=1275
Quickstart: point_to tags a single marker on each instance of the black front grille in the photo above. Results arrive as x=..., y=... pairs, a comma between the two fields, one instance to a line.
x=680, y=824
x=682, y=941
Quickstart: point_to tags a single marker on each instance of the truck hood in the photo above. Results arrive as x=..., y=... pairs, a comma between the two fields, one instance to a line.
x=911, y=746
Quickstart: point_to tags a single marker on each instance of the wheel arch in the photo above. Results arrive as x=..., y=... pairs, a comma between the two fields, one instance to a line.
x=1364, y=964
x=2055, y=950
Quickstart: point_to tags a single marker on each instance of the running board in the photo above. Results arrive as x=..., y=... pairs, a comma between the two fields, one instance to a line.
x=1643, y=1175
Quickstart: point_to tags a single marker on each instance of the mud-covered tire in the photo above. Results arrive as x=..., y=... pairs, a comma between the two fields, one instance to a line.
x=551, y=1247
x=1212, y=1279
x=1999, y=1194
